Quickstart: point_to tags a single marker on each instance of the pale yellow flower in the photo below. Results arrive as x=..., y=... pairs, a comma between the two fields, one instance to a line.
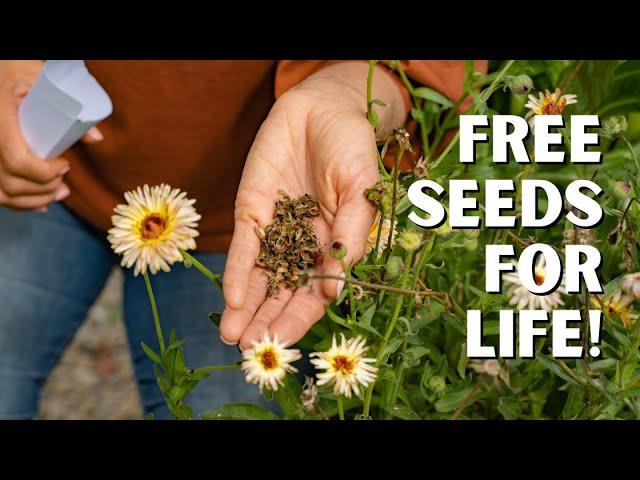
x=152, y=228
x=548, y=103
x=619, y=304
x=267, y=362
x=523, y=298
x=345, y=366
x=384, y=234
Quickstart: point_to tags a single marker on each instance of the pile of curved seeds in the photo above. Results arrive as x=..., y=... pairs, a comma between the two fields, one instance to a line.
x=289, y=247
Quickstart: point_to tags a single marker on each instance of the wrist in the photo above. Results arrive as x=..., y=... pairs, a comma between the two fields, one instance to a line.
x=345, y=83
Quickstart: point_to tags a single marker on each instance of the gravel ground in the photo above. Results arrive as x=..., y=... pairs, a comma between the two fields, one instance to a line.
x=94, y=378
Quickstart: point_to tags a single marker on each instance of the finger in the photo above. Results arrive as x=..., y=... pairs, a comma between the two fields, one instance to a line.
x=235, y=321
x=16, y=186
x=305, y=308
x=93, y=135
x=241, y=260
x=265, y=316
x=350, y=229
x=15, y=155
x=33, y=202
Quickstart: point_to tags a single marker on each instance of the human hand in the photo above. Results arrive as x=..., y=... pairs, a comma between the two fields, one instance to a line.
x=26, y=181
x=316, y=140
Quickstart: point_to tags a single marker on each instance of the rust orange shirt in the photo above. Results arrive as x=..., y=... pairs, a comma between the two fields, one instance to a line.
x=190, y=123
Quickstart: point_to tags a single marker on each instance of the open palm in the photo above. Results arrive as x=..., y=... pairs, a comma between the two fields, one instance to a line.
x=311, y=143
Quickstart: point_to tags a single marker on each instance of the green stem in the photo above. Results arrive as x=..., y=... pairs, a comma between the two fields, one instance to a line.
x=217, y=368
x=390, y=328
x=202, y=269
x=340, y=408
x=372, y=67
x=633, y=154
x=154, y=309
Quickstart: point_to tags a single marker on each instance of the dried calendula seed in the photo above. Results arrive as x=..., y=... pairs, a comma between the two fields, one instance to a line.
x=289, y=247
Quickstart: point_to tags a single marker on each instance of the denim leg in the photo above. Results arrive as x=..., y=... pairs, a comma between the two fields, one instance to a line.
x=185, y=298
x=52, y=267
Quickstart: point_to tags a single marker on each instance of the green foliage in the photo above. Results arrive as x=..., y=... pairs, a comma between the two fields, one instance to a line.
x=414, y=321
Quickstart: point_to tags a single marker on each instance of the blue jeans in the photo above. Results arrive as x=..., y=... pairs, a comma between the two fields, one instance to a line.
x=52, y=268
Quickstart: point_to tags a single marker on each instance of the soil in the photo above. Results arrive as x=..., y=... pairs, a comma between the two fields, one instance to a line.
x=94, y=378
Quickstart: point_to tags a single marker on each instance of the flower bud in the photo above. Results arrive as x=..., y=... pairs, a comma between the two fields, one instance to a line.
x=614, y=127
x=444, y=229
x=471, y=232
x=470, y=244
x=410, y=240
x=437, y=384
x=621, y=189
x=337, y=250
x=520, y=84
x=394, y=267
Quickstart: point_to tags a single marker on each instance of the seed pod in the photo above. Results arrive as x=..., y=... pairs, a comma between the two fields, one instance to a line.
x=394, y=267
x=520, y=84
x=614, y=127
x=410, y=240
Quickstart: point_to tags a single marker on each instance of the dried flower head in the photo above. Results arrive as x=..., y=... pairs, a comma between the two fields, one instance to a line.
x=151, y=229
x=289, y=247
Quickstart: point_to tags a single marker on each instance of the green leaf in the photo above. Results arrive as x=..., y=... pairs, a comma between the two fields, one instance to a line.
x=288, y=397
x=155, y=358
x=176, y=344
x=238, y=411
x=453, y=400
x=377, y=101
x=433, y=96
x=215, y=318
x=574, y=404
x=552, y=365
x=403, y=413
x=510, y=408
x=463, y=360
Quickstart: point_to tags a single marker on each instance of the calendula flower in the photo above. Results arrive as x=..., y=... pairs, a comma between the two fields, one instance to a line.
x=630, y=285
x=619, y=304
x=523, y=298
x=384, y=234
x=267, y=362
x=489, y=367
x=151, y=229
x=548, y=104
x=345, y=366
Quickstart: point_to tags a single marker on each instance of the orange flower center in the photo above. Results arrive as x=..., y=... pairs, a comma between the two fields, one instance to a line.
x=538, y=277
x=153, y=226
x=553, y=108
x=342, y=364
x=269, y=360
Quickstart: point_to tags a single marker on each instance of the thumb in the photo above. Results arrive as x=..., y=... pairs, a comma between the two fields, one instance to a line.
x=350, y=231
x=93, y=135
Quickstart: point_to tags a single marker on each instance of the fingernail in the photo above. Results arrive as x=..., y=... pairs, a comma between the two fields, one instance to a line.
x=94, y=134
x=340, y=287
x=226, y=342
x=62, y=193
x=65, y=170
